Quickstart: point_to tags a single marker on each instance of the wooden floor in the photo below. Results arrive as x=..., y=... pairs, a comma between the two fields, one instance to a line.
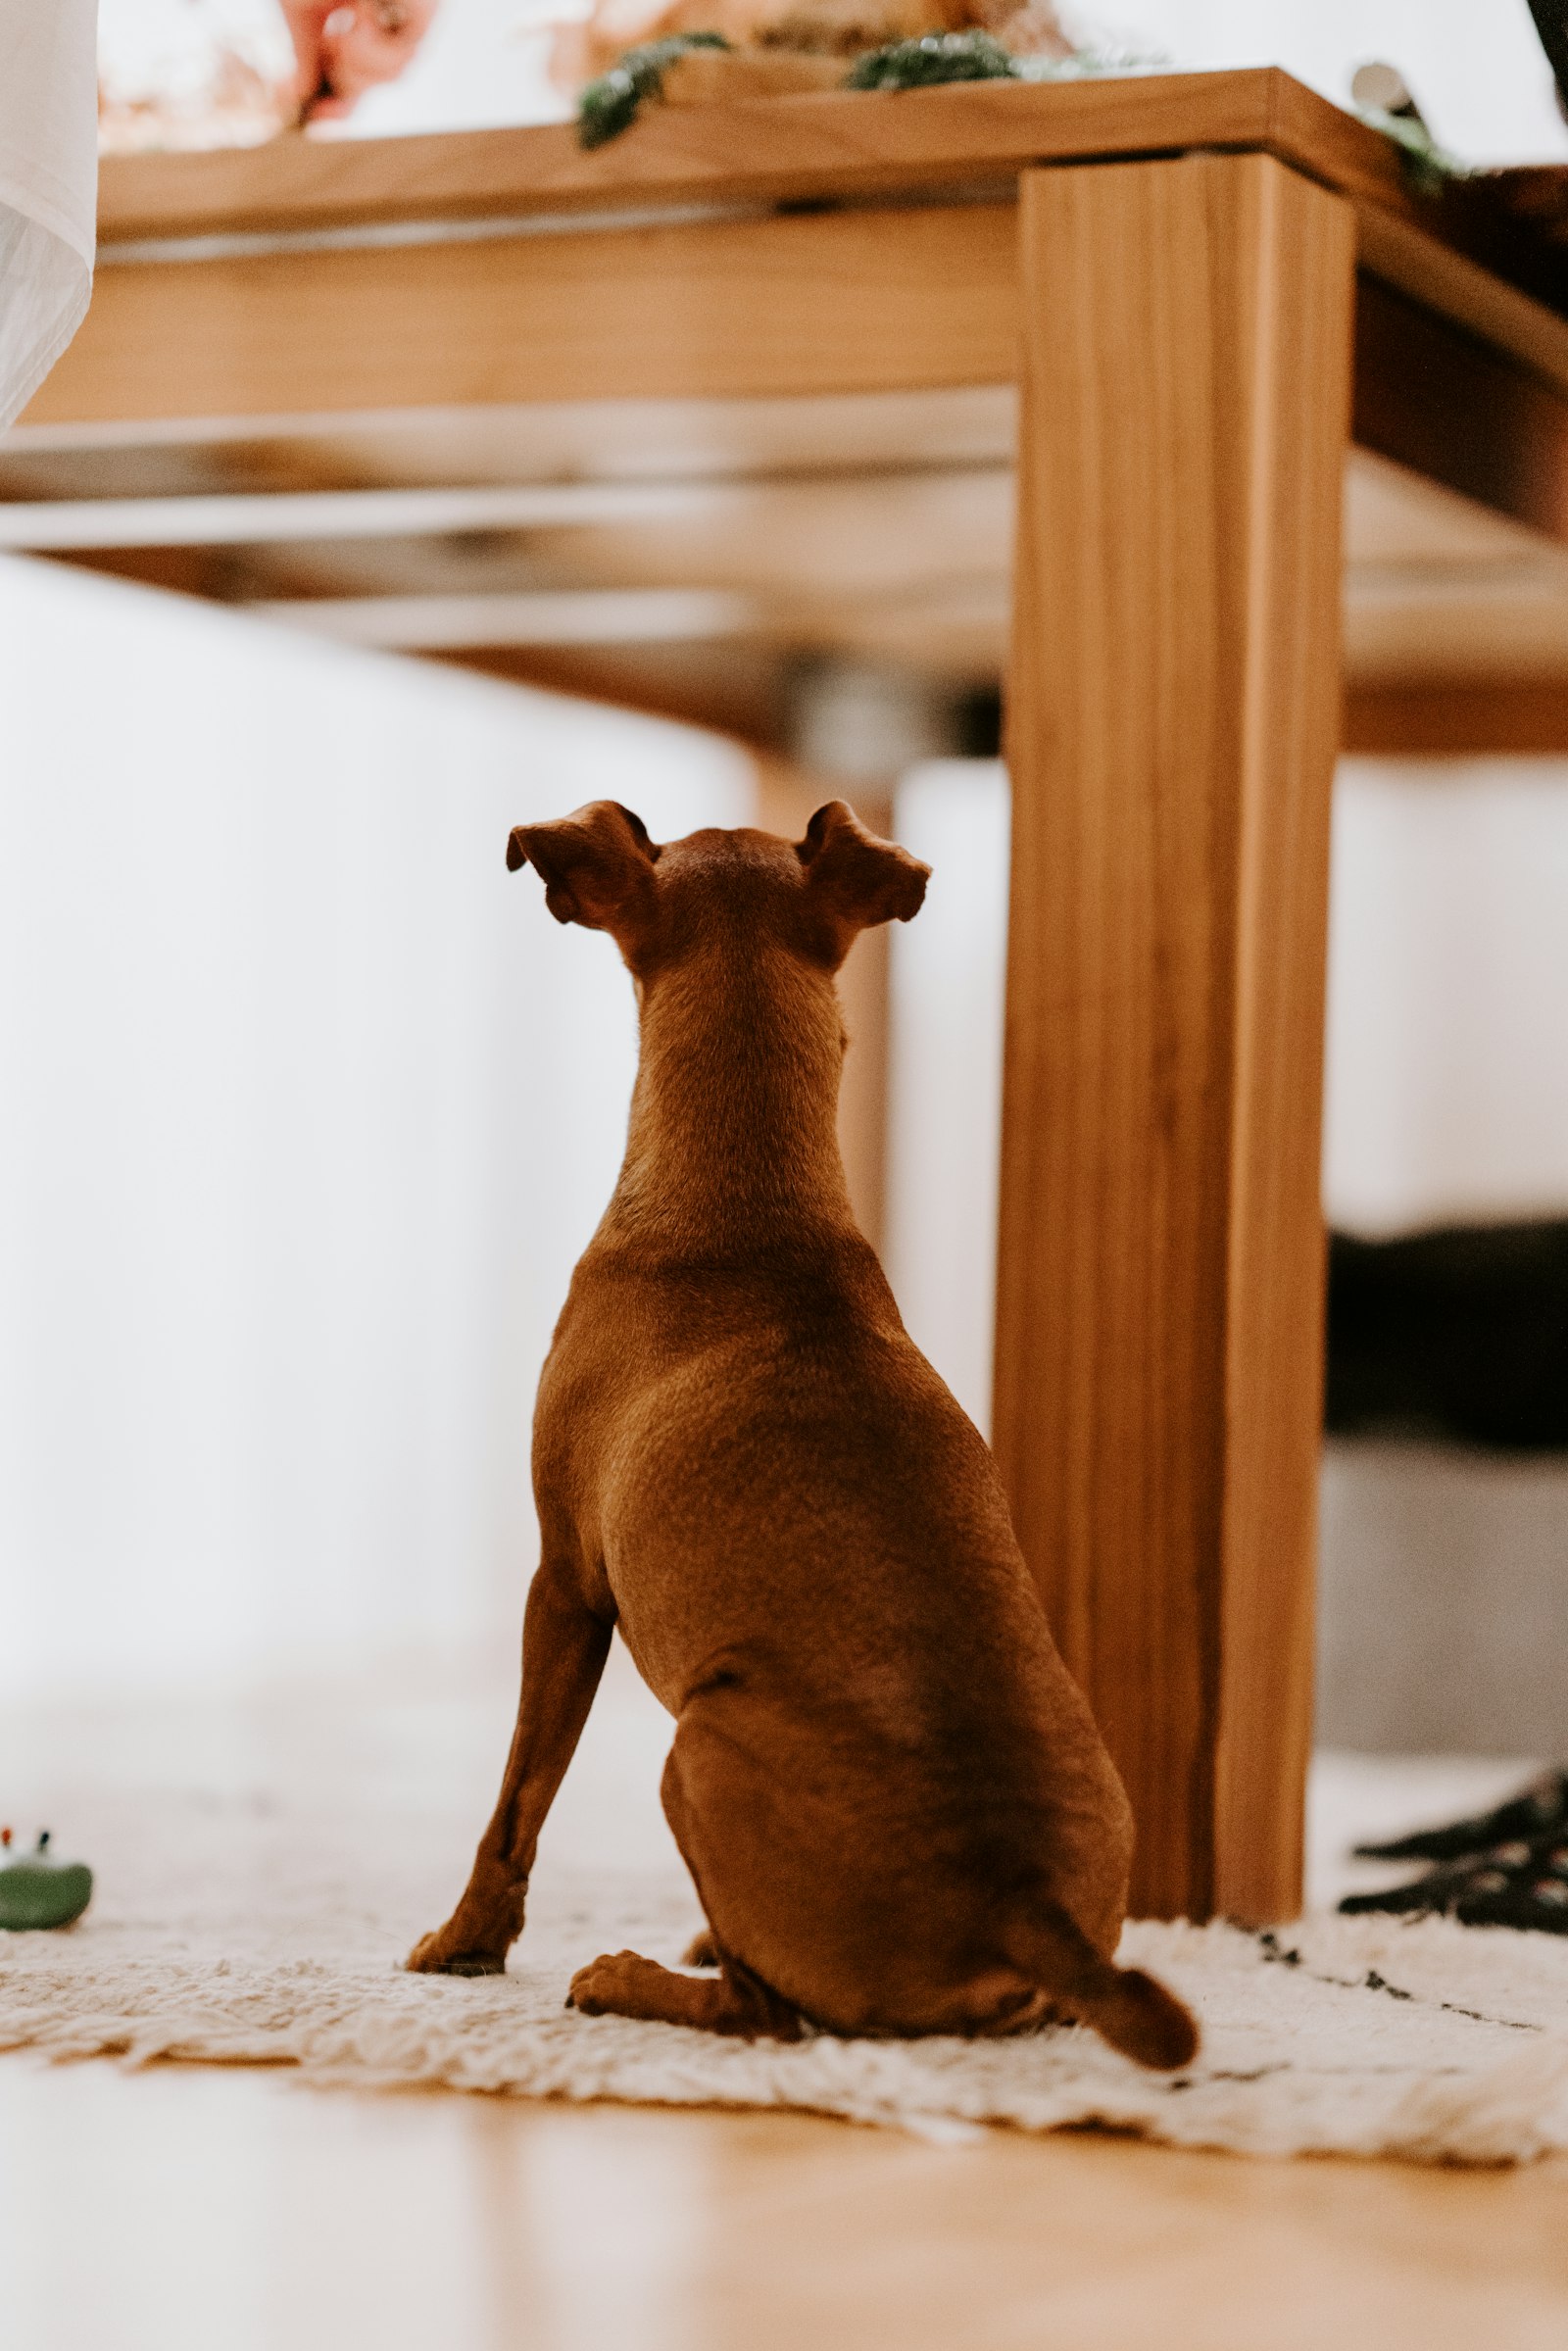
x=238, y=2211
x=204, y=2209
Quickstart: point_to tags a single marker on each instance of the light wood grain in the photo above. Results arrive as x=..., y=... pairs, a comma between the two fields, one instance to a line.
x=1409, y=257
x=846, y=301
x=757, y=151
x=842, y=146
x=1437, y=718
x=139, y=2204
x=1172, y=728
x=1432, y=395
x=1458, y=630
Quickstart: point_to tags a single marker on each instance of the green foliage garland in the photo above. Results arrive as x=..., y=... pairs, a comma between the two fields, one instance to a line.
x=935, y=57
x=609, y=105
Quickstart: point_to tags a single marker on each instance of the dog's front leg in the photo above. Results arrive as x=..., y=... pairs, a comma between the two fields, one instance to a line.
x=565, y=1645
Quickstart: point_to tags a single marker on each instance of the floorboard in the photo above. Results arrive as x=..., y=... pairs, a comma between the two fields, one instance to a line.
x=182, y=2208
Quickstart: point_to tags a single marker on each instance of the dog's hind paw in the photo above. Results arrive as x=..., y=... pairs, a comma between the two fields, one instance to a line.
x=627, y=1984
x=702, y=1951
x=606, y=1986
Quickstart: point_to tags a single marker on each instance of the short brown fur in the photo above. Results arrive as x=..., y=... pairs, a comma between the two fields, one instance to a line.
x=895, y=1805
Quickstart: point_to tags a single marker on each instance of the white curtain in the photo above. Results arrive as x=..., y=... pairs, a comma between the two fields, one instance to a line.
x=1448, y=1006
x=949, y=981
x=48, y=187
x=307, y=1108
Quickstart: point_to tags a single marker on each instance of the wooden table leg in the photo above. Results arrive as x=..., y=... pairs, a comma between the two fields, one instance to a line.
x=1173, y=719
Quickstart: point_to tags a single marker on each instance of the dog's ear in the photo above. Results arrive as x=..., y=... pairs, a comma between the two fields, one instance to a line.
x=856, y=878
x=597, y=864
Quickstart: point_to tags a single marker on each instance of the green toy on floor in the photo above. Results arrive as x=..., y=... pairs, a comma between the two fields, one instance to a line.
x=37, y=1890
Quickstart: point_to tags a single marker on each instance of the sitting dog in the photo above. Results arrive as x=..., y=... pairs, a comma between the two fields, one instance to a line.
x=895, y=1805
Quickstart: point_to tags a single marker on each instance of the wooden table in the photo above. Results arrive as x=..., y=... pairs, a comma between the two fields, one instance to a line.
x=1204, y=287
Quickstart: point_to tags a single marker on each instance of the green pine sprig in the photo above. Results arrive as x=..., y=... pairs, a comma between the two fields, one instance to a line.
x=1427, y=166
x=609, y=105
x=933, y=58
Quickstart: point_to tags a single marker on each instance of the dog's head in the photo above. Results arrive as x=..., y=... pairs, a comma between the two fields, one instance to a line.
x=813, y=897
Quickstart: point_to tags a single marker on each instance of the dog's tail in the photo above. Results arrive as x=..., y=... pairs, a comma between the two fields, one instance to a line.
x=1128, y=2008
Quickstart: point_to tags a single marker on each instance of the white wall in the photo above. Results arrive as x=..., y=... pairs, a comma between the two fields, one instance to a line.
x=309, y=1107
x=945, y=1071
x=1448, y=1019
x=1476, y=67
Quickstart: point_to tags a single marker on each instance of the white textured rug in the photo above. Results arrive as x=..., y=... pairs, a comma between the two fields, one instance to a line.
x=238, y=1922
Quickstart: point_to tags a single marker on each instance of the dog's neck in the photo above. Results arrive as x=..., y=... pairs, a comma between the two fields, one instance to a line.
x=732, y=1145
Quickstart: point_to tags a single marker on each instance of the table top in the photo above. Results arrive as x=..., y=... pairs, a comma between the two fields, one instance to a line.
x=899, y=504
x=1484, y=252
x=774, y=150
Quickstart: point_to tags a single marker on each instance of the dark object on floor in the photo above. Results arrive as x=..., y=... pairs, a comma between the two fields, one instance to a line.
x=1539, y=1810
x=37, y=1890
x=1459, y=1334
x=1505, y=1868
x=1522, y=1884
x=934, y=58
x=609, y=105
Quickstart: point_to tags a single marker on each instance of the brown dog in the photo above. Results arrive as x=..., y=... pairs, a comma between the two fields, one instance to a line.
x=892, y=1797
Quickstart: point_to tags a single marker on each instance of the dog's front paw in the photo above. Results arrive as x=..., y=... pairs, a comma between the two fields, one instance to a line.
x=603, y=1986
x=445, y=1954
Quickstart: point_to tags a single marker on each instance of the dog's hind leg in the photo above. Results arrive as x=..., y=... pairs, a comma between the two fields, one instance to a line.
x=627, y=1985
x=733, y=2000
x=565, y=1645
